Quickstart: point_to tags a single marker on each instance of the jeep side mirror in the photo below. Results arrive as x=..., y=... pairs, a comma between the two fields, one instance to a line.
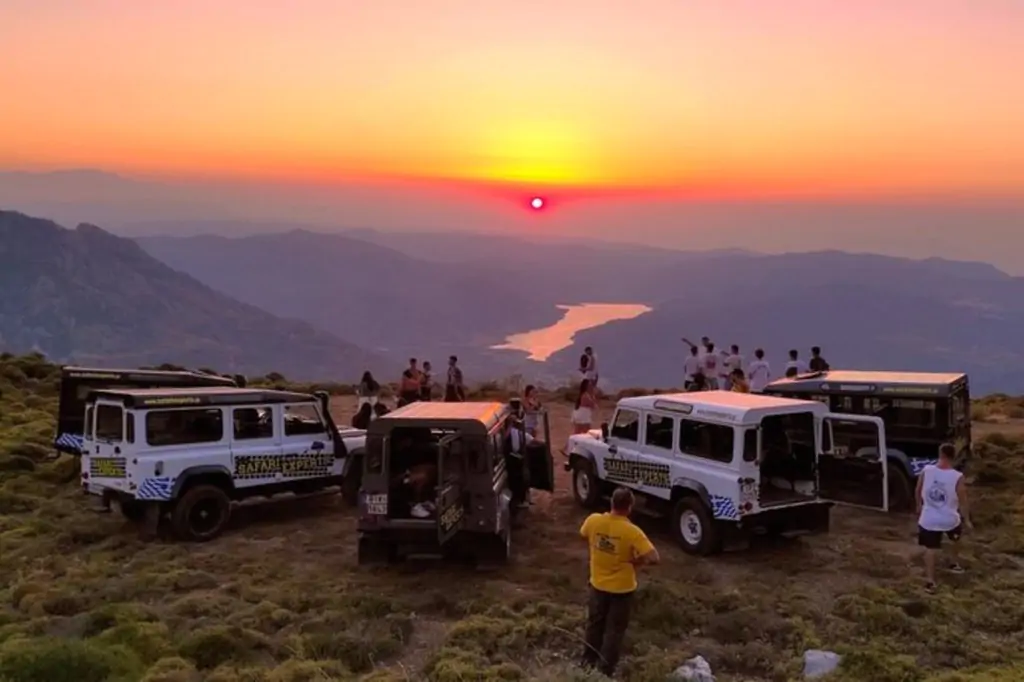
x=604, y=430
x=317, y=445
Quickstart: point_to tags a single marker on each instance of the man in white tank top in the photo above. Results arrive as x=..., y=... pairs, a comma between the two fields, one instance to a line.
x=942, y=509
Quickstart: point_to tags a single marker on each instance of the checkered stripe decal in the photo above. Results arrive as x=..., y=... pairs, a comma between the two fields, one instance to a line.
x=637, y=473
x=724, y=508
x=918, y=465
x=70, y=441
x=289, y=466
x=158, y=488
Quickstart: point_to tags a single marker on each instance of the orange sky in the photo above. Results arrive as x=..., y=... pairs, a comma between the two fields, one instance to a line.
x=758, y=95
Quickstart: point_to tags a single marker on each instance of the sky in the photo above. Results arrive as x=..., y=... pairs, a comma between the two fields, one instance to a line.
x=746, y=98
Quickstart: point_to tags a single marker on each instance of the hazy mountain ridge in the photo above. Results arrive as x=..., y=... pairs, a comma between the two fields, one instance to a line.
x=88, y=296
x=375, y=296
x=866, y=310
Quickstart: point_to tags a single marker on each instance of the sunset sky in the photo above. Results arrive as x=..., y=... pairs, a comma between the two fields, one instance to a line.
x=743, y=96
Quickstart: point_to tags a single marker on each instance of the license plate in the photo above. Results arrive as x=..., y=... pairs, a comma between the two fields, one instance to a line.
x=377, y=505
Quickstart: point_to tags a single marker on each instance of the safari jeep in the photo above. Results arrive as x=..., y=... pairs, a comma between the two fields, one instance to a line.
x=921, y=411
x=188, y=453
x=440, y=479
x=723, y=465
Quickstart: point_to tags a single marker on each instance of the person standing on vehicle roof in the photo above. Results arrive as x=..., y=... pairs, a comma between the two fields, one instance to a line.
x=942, y=510
x=454, y=388
x=617, y=548
x=818, y=363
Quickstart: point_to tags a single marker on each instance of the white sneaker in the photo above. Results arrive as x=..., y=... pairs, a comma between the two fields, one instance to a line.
x=420, y=512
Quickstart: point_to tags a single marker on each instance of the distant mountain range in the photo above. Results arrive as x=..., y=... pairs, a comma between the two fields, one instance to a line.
x=432, y=294
x=87, y=296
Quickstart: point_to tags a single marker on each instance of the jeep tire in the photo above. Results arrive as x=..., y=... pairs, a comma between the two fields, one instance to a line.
x=132, y=510
x=586, y=487
x=694, y=527
x=201, y=513
x=900, y=491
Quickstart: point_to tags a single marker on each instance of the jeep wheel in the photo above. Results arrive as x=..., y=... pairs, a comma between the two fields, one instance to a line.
x=695, y=528
x=351, y=484
x=586, y=487
x=201, y=513
x=900, y=490
x=133, y=510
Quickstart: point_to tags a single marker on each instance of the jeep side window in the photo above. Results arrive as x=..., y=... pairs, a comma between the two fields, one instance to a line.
x=626, y=426
x=660, y=431
x=750, y=445
x=109, y=423
x=184, y=427
x=303, y=420
x=710, y=441
x=253, y=423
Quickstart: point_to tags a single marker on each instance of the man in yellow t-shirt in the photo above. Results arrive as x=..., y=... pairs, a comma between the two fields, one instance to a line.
x=617, y=547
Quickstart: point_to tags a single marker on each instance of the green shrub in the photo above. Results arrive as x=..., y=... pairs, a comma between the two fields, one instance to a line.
x=58, y=660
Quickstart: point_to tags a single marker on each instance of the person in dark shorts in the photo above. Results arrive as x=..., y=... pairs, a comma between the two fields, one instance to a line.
x=426, y=382
x=454, y=388
x=942, y=510
x=617, y=548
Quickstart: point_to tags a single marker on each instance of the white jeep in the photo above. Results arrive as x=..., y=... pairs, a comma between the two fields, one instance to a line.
x=723, y=465
x=188, y=453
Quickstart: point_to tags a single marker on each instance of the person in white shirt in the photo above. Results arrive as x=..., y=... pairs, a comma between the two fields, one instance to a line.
x=942, y=509
x=711, y=363
x=732, y=361
x=759, y=373
x=795, y=365
x=692, y=366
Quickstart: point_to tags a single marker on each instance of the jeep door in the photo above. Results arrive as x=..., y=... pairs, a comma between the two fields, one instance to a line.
x=451, y=477
x=255, y=444
x=307, y=445
x=105, y=458
x=618, y=465
x=539, y=461
x=852, y=461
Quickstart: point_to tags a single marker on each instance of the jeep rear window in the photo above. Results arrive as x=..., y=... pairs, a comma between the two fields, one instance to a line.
x=109, y=423
x=184, y=427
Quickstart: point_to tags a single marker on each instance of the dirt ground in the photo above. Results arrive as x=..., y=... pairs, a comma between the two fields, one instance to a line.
x=279, y=598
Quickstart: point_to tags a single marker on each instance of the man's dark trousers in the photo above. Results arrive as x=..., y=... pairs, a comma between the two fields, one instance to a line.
x=607, y=619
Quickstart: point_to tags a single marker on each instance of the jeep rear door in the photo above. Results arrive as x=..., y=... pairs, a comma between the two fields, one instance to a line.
x=451, y=476
x=852, y=461
x=539, y=461
x=105, y=460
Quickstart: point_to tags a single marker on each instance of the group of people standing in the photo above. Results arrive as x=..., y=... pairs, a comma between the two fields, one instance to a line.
x=710, y=370
x=415, y=384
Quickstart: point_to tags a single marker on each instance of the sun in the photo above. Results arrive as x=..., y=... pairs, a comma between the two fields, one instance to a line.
x=536, y=203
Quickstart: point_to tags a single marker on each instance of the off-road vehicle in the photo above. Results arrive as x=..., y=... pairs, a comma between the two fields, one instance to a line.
x=921, y=411
x=76, y=383
x=188, y=453
x=439, y=479
x=723, y=465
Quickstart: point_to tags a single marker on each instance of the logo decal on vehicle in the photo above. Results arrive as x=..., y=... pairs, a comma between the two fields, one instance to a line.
x=638, y=473
x=290, y=466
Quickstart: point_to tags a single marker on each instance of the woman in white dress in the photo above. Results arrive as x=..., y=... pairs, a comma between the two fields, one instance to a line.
x=586, y=403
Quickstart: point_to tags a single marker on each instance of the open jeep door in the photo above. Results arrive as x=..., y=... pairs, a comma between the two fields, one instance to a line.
x=852, y=462
x=451, y=510
x=540, y=463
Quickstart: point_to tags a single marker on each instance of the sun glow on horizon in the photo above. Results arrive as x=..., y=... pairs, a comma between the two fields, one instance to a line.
x=759, y=98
